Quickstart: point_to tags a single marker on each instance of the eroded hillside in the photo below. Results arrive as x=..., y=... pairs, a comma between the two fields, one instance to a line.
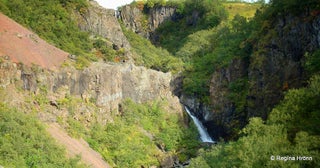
x=23, y=46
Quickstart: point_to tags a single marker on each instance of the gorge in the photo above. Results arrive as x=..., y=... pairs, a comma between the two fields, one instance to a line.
x=124, y=84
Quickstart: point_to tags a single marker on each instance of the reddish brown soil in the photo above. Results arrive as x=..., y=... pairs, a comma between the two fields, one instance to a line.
x=24, y=46
x=77, y=147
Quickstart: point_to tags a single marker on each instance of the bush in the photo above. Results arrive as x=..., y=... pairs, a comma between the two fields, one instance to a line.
x=24, y=142
x=312, y=62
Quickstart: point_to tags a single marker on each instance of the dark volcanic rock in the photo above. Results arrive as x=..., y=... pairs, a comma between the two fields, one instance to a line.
x=275, y=66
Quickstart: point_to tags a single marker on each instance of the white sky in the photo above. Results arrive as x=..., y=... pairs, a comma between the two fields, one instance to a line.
x=113, y=4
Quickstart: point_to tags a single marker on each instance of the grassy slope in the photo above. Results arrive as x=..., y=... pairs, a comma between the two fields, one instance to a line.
x=243, y=9
x=210, y=49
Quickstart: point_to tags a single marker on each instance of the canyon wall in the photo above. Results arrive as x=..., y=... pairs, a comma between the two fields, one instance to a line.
x=276, y=65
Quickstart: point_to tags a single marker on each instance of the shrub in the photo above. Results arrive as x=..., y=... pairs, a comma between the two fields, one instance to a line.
x=25, y=142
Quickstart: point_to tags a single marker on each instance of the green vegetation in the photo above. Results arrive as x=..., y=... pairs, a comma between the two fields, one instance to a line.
x=145, y=5
x=75, y=123
x=238, y=91
x=195, y=16
x=220, y=45
x=292, y=6
x=150, y=56
x=205, y=40
x=25, y=143
x=206, y=49
x=131, y=140
x=291, y=130
x=246, y=10
x=312, y=62
x=139, y=135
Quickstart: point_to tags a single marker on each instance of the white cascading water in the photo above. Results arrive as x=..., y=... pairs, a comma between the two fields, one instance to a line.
x=204, y=136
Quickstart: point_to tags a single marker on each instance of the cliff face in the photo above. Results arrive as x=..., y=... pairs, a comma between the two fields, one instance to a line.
x=134, y=19
x=280, y=67
x=105, y=84
x=158, y=15
x=146, y=24
x=110, y=84
x=103, y=22
x=275, y=66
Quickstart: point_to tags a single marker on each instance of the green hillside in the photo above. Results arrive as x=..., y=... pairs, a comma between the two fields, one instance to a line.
x=246, y=10
x=151, y=56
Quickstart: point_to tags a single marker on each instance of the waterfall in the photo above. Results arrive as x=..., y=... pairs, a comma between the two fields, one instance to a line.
x=204, y=136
